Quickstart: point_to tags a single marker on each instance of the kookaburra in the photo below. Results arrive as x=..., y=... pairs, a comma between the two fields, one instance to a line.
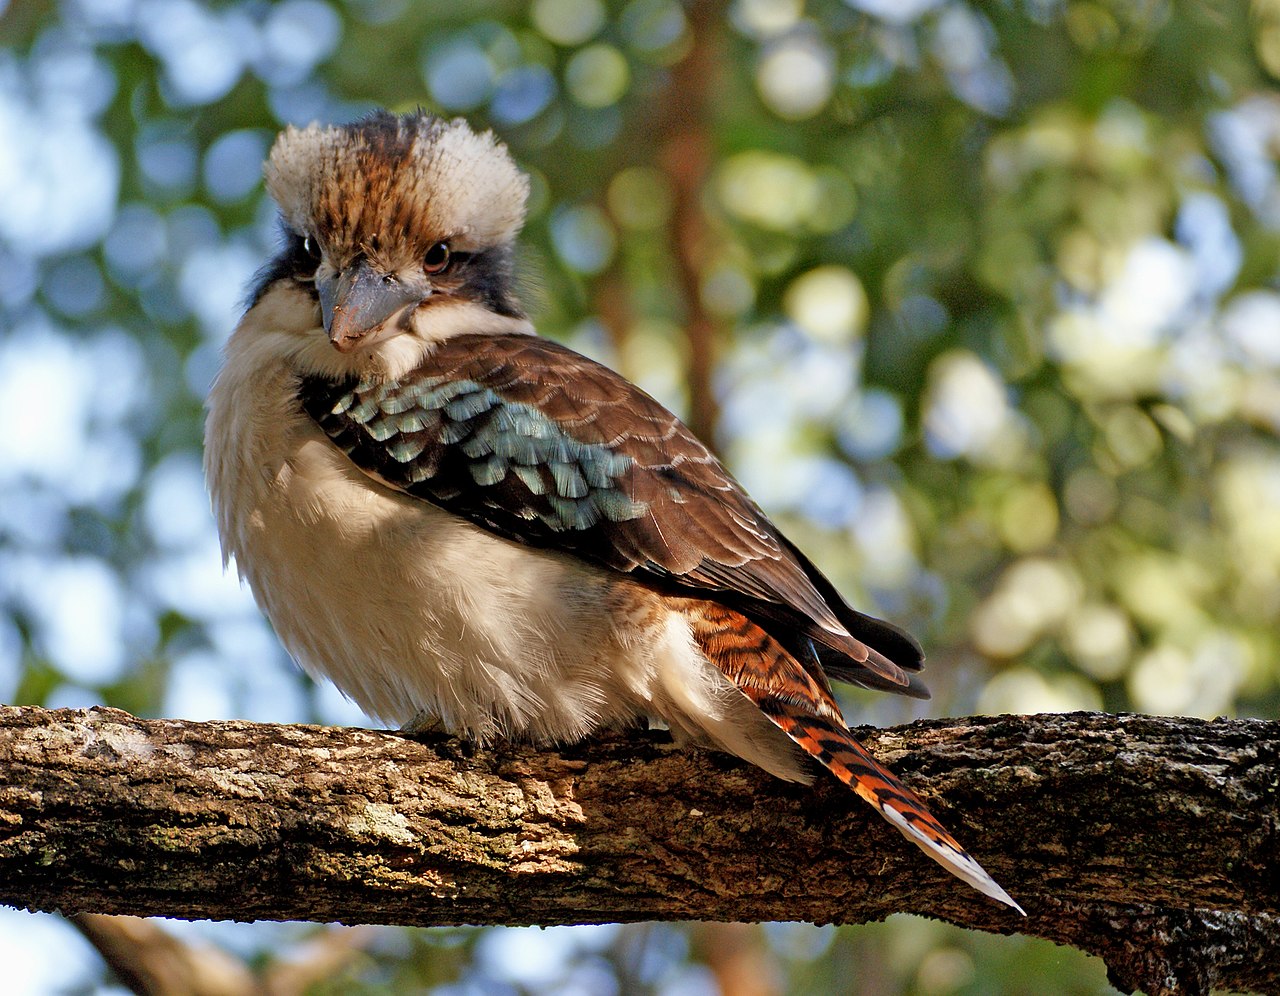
x=462, y=524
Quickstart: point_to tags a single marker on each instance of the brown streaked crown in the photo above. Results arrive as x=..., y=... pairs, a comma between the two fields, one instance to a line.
x=414, y=179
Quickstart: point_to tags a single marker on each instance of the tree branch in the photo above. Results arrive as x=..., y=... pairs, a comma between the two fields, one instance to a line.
x=1149, y=841
x=148, y=959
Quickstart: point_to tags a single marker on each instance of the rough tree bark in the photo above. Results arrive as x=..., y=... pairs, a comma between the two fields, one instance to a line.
x=1151, y=842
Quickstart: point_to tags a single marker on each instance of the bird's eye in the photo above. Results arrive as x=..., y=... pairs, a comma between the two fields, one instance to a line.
x=306, y=257
x=437, y=258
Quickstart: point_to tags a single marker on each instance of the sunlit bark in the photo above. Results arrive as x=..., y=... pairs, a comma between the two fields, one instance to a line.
x=1149, y=841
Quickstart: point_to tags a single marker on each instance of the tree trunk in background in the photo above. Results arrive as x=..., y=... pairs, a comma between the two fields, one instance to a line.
x=1151, y=842
x=686, y=157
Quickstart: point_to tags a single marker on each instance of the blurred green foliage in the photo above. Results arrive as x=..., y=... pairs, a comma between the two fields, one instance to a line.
x=993, y=292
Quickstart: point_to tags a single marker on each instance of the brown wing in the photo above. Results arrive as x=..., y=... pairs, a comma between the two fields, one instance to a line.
x=544, y=446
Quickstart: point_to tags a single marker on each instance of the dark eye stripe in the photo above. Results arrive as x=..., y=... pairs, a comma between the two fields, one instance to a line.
x=292, y=262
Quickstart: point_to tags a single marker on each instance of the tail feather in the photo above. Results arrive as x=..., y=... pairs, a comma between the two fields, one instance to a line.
x=802, y=707
x=845, y=758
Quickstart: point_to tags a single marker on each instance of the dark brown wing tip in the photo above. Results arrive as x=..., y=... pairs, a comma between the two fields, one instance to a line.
x=892, y=641
x=914, y=686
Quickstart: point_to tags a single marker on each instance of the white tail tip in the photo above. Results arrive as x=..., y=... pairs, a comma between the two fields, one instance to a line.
x=960, y=865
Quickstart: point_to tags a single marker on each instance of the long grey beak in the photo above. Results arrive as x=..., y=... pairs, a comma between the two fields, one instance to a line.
x=358, y=300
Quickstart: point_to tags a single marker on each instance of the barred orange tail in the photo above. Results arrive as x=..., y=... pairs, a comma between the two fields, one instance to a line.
x=845, y=758
x=798, y=702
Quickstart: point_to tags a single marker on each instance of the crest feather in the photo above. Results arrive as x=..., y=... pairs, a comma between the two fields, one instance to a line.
x=412, y=177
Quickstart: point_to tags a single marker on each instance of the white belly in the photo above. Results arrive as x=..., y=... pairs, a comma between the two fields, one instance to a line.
x=409, y=609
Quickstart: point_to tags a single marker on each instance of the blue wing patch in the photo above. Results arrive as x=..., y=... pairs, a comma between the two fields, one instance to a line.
x=425, y=433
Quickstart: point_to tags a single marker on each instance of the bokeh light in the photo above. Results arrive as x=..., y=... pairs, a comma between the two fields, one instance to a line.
x=796, y=75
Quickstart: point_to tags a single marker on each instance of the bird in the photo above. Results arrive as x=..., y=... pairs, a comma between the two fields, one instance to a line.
x=470, y=527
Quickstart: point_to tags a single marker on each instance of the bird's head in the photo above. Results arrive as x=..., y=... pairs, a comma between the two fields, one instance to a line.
x=394, y=225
